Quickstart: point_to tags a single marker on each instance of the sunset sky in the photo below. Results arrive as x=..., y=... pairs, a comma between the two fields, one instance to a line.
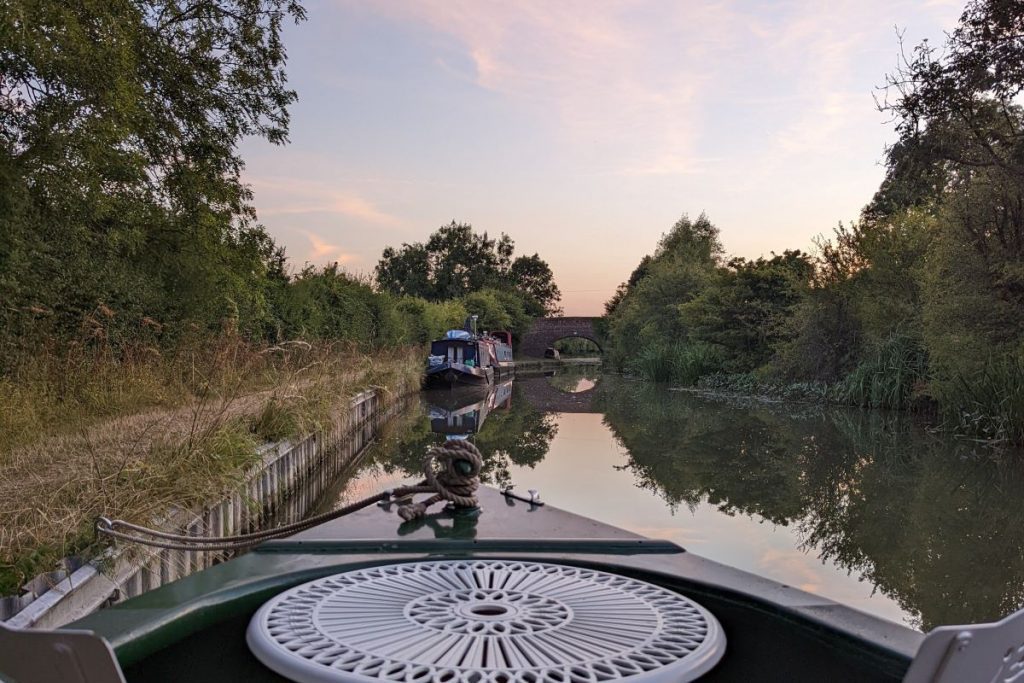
x=583, y=129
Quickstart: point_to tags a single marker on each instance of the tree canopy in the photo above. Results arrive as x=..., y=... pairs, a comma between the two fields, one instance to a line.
x=119, y=171
x=919, y=304
x=456, y=261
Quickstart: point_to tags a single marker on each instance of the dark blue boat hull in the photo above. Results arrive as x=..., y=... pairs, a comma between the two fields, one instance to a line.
x=453, y=374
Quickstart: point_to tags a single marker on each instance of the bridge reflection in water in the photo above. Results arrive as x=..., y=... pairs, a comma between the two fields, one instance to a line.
x=868, y=508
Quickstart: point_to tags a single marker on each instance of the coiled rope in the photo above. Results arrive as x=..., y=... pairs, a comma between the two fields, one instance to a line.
x=456, y=481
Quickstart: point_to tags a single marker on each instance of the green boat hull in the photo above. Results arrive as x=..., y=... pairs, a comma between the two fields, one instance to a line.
x=194, y=629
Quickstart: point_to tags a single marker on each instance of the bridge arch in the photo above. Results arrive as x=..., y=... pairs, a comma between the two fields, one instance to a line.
x=544, y=332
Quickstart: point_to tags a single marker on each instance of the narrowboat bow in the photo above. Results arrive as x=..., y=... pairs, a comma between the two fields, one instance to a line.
x=520, y=592
x=465, y=357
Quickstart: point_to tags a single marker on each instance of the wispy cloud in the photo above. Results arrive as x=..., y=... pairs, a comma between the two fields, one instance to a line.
x=282, y=196
x=322, y=252
x=632, y=85
x=594, y=113
x=621, y=82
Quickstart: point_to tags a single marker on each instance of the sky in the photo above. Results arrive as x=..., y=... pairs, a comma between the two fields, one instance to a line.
x=582, y=128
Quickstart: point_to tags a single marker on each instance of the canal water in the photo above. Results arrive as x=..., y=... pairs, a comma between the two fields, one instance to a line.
x=868, y=508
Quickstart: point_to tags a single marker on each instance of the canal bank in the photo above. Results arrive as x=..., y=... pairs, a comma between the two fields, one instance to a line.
x=227, y=462
x=288, y=483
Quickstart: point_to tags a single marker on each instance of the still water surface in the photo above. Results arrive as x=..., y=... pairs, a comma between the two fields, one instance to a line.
x=864, y=507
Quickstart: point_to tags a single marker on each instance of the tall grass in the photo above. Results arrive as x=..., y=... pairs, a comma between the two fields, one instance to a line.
x=679, y=362
x=888, y=377
x=653, y=363
x=133, y=433
x=690, y=362
x=989, y=404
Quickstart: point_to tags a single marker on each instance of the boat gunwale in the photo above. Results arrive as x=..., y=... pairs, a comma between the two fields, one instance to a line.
x=162, y=625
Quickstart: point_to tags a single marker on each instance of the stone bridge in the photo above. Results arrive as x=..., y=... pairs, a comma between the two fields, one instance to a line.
x=546, y=331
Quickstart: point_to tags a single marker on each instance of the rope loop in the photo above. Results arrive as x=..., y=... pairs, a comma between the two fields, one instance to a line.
x=455, y=480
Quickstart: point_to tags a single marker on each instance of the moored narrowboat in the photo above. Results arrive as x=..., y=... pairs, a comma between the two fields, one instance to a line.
x=466, y=357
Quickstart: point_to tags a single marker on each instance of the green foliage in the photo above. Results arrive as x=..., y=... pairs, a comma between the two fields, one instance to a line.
x=683, y=313
x=455, y=262
x=743, y=310
x=693, y=361
x=327, y=303
x=890, y=376
x=882, y=317
x=653, y=362
x=577, y=347
x=678, y=363
x=989, y=403
x=645, y=313
x=119, y=174
x=424, y=320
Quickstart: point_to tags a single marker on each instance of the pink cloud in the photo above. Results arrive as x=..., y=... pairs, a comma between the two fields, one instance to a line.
x=282, y=196
x=322, y=252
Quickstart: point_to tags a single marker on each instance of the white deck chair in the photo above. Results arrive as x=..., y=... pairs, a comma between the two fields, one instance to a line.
x=977, y=653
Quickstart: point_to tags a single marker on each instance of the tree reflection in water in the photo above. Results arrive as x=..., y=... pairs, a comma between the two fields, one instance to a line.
x=926, y=519
x=929, y=522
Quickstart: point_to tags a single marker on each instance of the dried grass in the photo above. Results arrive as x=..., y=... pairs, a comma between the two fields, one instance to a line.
x=136, y=436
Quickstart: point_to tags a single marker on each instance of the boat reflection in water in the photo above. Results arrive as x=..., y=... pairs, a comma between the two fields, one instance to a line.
x=460, y=413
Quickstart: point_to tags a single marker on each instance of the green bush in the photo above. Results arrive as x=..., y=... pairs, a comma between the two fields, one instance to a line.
x=681, y=363
x=653, y=363
x=690, y=362
x=989, y=404
x=890, y=376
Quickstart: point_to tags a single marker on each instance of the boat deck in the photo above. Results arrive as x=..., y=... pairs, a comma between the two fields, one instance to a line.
x=203, y=616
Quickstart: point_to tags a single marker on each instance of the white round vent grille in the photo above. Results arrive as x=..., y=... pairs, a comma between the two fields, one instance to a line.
x=485, y=621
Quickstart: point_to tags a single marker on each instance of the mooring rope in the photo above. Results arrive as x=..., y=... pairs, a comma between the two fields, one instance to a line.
x=456, y=482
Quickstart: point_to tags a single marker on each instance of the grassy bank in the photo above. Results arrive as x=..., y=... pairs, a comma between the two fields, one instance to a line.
x=131, y=435
x=988, y=406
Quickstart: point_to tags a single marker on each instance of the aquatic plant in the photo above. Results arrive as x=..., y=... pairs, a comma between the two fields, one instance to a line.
x=990, y=402
x=889, y=376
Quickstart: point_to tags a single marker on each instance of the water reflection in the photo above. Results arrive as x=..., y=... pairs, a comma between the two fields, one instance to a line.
x=461, y=412
x=504, y=426
x=865, y=507
x=923, y=518
x=575, y=380
x=445, y=524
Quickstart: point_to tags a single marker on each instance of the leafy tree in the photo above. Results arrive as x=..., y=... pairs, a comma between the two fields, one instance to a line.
x=647, y=311
x=745, y=309
x=532, y=275
x=119, y=122
x=960, y=106
x=327, y=303
x=456, y=261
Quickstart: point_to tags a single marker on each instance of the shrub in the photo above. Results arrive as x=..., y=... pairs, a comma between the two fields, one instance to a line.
x=989, y=404
x=888, y=377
